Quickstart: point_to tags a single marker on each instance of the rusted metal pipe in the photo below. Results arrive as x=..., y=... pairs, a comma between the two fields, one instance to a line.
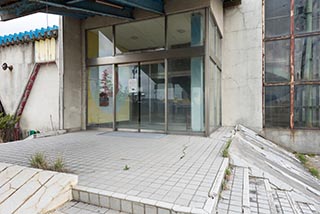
x=292, y=46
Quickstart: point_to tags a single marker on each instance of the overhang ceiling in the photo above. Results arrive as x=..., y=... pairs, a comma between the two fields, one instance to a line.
x=11, y=9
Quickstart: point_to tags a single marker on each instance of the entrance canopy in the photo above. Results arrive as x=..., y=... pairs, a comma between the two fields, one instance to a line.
x=11, y=9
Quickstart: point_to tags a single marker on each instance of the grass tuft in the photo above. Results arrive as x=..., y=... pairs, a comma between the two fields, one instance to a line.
x=225, y=152
x=302, y=158
x=39, y=160
x=59, y=165
x=314, y=172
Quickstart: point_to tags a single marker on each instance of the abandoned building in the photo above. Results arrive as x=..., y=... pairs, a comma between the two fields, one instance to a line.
x=172, y=66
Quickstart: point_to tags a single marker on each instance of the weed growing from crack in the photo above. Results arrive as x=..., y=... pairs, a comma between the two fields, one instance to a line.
x=59, y=165
x=302, y=158
x=39, y=161
x=126, y=167
x=225, y=152
x=314, y=172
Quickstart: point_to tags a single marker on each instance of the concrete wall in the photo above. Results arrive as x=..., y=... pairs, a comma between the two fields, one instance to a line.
x=72, y=74
x=42, y=109
x=242, y=65
x=302, y=141
x=12, y=84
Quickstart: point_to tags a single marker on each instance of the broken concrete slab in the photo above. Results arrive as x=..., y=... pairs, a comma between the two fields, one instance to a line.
x=280, y=173
x=26, y=190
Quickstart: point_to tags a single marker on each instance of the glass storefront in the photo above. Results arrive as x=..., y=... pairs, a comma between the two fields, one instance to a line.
x=160, y=85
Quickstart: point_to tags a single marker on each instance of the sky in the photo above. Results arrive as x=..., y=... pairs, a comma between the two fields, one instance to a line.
x=28, y=23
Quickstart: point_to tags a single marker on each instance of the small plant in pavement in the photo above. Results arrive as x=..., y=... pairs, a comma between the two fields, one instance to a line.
x=225, y=152
x=126, y=167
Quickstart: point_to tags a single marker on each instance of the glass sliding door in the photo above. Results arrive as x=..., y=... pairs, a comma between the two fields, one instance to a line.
x=152, y=95
x=140, y=97
x=127, y=96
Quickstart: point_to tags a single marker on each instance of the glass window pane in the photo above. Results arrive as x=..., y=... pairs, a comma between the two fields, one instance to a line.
x=100, y=96
x=307, y=106
x=186, y=94
x=307, y=58
x=277, y=16
x=99, y=42
x=277, y=106
x=307, y=16
x=277, y=61
x=186, y=30
x=141, y=35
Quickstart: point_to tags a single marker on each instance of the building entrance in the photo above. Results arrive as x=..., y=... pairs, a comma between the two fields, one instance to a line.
x=140, y=96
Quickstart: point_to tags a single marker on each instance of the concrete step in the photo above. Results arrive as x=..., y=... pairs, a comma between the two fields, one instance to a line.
x=74, y=207
x=26, y=190
x=133, y=204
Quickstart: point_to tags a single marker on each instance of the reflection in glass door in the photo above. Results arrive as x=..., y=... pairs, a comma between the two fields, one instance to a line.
x=140, y=96
x=127, y=96
x=152, y=96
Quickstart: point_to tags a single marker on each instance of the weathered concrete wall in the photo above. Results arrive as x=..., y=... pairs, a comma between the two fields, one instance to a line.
x=242, y=65
x=12, y=84
x=302, y=141
x=72, y=71
x=42, y=109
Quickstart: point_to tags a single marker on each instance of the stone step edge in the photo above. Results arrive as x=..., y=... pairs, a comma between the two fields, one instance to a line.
x=129, y=204
x=137, y=205
x=212, y=202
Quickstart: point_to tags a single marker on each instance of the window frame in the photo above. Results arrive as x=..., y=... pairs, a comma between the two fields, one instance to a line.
x=293, y=83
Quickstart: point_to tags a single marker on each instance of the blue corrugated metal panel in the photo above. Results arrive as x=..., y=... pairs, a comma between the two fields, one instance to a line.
x=27, y=36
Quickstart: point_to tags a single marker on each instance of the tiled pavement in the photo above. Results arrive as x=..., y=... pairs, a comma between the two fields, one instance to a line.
x=232, y=199
x=74, y=207
x=174, y=169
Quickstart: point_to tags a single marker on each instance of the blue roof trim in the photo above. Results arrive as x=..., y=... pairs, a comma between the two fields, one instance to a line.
x=29, y=36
